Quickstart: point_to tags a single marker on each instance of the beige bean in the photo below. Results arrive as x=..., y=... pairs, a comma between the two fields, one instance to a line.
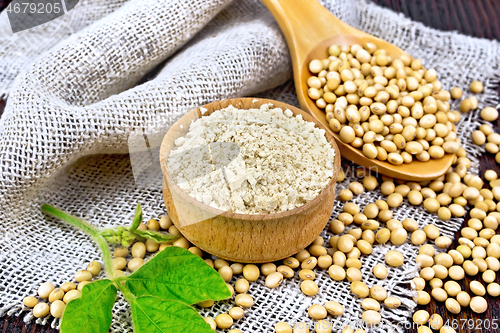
x=370, y=304
x=371, y=317
x=317, y=311
x=41, y=310
x=478, y=304
x=309, y=288
x=394, y=258
x=323, y=326
x=244, y=300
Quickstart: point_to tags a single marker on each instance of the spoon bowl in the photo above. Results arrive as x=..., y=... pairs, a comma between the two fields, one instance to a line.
x=310, y=29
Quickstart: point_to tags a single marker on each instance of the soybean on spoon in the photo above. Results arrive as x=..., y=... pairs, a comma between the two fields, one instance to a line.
x=310, y=29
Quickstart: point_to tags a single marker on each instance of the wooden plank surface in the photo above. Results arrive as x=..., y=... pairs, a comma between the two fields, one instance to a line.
x=472, y=17
x=478, y=18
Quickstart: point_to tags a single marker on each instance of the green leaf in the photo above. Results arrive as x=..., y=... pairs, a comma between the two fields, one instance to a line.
x=93, y=311
x=137, y=218
x=156, y=236
x=154, y=315
x=177, y=274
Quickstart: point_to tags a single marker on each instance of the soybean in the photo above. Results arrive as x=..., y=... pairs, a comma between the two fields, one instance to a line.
x=317, y=311
x=394, y=258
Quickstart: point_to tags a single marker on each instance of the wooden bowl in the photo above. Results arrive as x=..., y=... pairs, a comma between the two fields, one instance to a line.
x=248, y=238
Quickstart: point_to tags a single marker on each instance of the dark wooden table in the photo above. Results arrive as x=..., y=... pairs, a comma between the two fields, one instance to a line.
x=477, y=18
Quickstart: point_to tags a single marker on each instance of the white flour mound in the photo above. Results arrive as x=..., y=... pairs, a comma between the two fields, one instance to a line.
x=254, y=161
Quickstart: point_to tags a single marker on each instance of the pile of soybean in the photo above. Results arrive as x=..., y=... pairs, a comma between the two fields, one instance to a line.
x=394, y=110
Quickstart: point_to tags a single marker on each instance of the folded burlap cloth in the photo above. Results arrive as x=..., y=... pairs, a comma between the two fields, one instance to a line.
x=77, y=98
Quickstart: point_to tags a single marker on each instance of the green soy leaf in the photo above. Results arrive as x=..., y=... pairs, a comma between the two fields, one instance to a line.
x=156, y=236
x=177, y=274
x=137, y=218
x=154, y=315
x=93, y=311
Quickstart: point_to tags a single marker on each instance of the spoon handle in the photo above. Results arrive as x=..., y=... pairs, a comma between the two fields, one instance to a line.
x=305, y=23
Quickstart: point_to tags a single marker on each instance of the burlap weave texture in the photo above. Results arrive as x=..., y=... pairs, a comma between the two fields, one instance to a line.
x=78, y=94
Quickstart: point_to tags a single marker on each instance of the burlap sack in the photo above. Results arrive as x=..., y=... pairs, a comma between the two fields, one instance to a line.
x=77, y=99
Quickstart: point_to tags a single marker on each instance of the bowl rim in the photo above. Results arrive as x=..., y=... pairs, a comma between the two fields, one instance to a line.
x=256, y=103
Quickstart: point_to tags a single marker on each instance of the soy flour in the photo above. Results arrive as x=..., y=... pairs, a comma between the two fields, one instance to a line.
x=255, y=161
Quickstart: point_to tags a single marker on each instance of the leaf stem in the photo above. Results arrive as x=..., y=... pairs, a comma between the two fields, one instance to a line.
x=89, y=229
x=80, y=224
x=106, y=255
x=126, y=292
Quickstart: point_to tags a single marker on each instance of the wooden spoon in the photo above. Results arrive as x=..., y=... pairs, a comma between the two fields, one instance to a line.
x=309, y=29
